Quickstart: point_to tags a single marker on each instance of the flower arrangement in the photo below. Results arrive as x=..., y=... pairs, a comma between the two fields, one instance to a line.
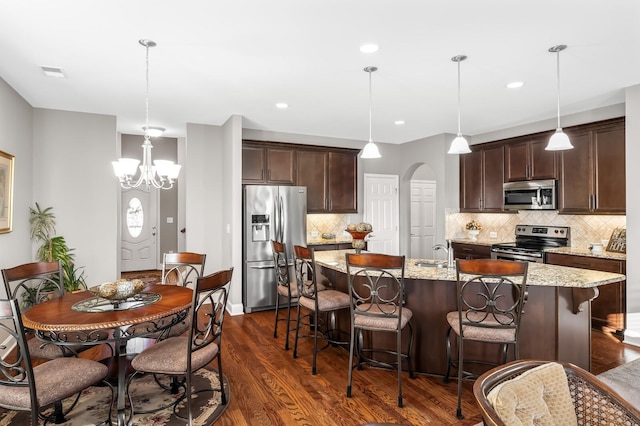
x=473, y=226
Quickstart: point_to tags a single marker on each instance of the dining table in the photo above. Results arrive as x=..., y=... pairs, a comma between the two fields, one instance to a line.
x=84, y=318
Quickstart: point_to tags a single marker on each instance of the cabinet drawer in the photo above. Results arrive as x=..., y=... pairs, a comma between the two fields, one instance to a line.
x=585, y=262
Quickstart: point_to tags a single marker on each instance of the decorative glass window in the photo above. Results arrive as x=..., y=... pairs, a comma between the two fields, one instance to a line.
x=135, y=217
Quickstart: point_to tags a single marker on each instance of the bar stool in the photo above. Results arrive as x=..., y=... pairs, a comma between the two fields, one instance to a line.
x=317, y=300
x=490, y=295
x=284, y=287
x=376, y=288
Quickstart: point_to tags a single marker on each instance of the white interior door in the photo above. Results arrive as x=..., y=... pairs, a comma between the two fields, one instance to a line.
x=381, y=210
x=139, y=230
x=423, y=218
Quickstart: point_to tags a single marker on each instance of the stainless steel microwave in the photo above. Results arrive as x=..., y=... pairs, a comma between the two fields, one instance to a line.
x=530, y=195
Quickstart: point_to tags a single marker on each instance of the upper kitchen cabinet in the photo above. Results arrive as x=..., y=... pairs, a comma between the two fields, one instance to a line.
x=592, y=174
x=268, y=164
x=527, y=159
x=331, y=178
x=481, y=178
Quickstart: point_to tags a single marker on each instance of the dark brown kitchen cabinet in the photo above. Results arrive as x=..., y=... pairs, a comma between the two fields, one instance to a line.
x=470, y=251
x=343, y=178
x=312, y=172
x=608, y=310
x=527, y=159
x=268, y=164
x=481, y=179
x=332, y=246
x=592, y=174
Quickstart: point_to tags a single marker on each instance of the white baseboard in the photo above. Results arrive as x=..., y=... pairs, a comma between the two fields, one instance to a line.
x=235, y=309
x=11, y=342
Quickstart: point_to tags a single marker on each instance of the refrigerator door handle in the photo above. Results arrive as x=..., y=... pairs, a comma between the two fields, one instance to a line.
x=262, y=267
x=280, y=220
x=275, y=219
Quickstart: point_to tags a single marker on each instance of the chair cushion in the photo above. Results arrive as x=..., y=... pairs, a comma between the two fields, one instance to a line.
x=283, y=291
x=486, y=334
x=328, y=300
x=55, y=380
x=379, y=322
x=170, y=357
x=539, y=396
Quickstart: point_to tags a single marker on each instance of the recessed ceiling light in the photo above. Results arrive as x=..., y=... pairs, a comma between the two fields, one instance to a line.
x=369, y=48
x=282, y=105
x=398, y=122
x=52, y=72
x=515, y=85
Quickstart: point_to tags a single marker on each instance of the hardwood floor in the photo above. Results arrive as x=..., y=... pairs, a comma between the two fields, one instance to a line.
x=269, y=387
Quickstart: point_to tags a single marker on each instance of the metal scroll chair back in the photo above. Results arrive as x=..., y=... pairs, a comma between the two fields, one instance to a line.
x=182, y=268
x=491, y=295
x=42, y=383
x=285, y=287
x=34, y=283
x=184, y=355
x=376, y=286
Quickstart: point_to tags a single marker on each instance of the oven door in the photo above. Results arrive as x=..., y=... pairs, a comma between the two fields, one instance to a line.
x=508, y=254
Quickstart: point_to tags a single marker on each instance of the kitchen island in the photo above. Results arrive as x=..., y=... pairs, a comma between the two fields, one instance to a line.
x=556, y=324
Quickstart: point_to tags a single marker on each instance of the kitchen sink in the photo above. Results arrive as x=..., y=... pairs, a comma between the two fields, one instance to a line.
x=427, y=264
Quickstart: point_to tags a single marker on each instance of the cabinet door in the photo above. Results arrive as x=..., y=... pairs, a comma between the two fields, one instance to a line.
x=609, y=163
x=343, y=172
x=470, y=251
x=253, y=159
x=542, y=162
x=471, y=181
x=280, y=166
x=574, y=192
x=493, y=177
x=312, y=173
x=516, y=161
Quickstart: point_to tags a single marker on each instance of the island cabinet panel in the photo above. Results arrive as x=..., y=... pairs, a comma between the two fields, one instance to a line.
x=312, y=172
x=331, y=246
x=592, y=174
x=527, y=159
x=481, y=179
x=470, y=251
x=267, y=164
x=608, y=310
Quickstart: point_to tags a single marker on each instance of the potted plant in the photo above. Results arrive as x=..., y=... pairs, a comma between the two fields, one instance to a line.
x=52, y=248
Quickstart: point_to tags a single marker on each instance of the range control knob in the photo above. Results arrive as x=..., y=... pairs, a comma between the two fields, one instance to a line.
x=562, y=231
x=556, y=231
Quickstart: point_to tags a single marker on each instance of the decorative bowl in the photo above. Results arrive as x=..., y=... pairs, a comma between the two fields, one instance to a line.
x=120, y=289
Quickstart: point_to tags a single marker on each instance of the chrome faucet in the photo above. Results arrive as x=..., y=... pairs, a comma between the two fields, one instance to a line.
x=447, y=249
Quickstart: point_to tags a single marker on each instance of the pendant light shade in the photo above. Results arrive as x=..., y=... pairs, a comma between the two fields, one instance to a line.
x=370, y=149
x=459, y=145
x=559, y=141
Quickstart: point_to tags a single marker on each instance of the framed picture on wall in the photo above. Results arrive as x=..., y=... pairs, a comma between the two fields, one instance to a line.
x=6, y=191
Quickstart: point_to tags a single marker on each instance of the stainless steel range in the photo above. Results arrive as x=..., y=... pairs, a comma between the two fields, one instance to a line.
x=531, y=241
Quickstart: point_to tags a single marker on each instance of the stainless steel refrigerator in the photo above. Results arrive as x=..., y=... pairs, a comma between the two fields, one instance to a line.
x=270, y=213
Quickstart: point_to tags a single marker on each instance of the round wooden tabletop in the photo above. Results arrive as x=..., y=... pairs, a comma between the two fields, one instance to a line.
x=57, y=314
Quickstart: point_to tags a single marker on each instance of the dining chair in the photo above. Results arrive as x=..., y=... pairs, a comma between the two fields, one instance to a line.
x=37, y=282
x=543, y=392
x=316, y=301
x=376, y=289
x=491, y=294
x=28, y=388
x=285, y=287
x=182, y=356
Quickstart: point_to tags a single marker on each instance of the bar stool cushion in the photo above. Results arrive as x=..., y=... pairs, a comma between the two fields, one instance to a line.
x=168, y=357
x=377, y=322
x=539, y=396
x=282, y=290
x=483, y=333
x=328, y=300
x=55, y=380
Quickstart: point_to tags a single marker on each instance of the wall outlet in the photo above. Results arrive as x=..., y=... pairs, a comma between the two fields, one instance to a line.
x=493, y=235
x=314, y=234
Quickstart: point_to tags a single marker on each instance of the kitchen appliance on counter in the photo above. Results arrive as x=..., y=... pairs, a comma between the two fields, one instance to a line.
x=530, y=195
x=269, y=213
x=531, y=241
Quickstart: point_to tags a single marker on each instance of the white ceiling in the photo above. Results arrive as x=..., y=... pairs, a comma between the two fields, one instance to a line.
x=217, y=58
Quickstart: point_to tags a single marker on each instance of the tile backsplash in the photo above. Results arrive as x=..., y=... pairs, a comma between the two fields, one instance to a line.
x=326, y=224
x=585, y=229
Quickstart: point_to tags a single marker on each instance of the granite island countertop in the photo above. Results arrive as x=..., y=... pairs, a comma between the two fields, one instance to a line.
x=588, y=253
x=539, y=274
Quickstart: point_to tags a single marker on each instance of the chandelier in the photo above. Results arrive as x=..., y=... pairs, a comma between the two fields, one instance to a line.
x=160, y=174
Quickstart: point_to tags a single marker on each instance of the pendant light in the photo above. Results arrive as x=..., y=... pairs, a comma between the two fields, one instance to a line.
x=370, y=149
x=559, y=141
x=459, y=145
x=160, y=174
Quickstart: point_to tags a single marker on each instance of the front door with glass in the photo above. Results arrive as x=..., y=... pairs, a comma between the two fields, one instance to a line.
x=139, y=230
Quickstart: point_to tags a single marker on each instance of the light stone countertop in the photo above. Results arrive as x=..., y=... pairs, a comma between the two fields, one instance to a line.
x=321, y=241
x=588, y=253
x=539, y=274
